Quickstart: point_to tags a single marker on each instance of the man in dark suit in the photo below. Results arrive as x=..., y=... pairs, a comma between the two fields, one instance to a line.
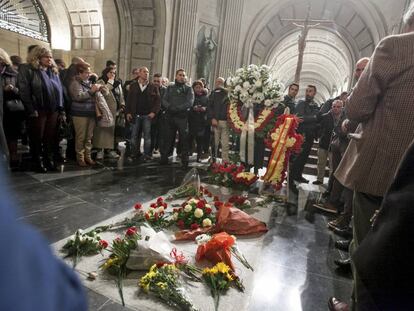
x=382, y=102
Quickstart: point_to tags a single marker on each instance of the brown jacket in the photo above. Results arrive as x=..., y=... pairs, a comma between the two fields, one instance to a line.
x=383, y=103
x=132, y=102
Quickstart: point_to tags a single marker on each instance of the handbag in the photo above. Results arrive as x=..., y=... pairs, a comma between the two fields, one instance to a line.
x=14, y=105
x=120, y=124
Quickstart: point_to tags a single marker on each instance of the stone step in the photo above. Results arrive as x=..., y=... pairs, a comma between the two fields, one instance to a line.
x=312, y=169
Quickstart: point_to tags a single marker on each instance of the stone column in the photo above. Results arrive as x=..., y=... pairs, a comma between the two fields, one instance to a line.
x=184, y=34
x=229, y=37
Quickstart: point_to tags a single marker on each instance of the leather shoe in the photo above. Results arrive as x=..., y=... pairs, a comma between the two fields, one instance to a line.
x=337, y=305
x=343, y=263
x=345, y=233
x=343, y=245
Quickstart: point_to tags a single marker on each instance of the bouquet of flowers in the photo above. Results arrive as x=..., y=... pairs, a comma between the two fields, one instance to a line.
x=240, y=202
x=244, y=180
x=219, y=248
x=189, y=187
x=254, y=84
x=224, y=174
x=193, y=214
x=219, y=279
x=83, y=244
x=163, y=282
x=120, y=250
x=228, y=219
x=155, y=215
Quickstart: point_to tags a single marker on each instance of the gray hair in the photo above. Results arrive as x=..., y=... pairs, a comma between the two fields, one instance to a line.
x=408, y=18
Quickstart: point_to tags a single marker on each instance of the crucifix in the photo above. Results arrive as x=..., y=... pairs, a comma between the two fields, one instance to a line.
x=305, y=24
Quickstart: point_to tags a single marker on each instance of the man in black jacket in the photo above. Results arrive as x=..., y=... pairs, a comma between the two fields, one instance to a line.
x=218, y=103
x=307, y=110
x=177, y=101
x=289, y=100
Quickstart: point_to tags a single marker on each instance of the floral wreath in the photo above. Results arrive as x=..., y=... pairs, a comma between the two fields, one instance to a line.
x=237, y=122
x=283, y=140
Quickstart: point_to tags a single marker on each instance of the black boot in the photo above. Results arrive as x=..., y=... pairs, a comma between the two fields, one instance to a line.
x=39, y=166
x=50, y=163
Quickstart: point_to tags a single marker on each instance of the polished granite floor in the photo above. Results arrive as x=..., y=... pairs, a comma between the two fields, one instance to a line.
x=297, y=271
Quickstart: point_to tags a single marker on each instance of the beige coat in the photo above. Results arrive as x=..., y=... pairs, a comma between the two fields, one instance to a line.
x=383, y=103
x=104, y=137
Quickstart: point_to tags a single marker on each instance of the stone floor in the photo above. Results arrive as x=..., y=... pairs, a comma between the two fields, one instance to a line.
x=297, y=271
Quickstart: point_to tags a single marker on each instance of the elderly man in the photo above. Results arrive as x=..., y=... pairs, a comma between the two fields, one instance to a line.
x=218, y=104
x=143, y=103
x=382, y=102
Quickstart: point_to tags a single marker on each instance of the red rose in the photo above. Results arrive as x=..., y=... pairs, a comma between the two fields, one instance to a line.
x=218, y=204
x=138, y=206
x=164, y=205
x=153, y=205
x=216, y=198
x=180, y=224
x=131, y=231
x=103, y=244
x=200, y=204
x=208, y=210
x=160, y=200
x=194, y=226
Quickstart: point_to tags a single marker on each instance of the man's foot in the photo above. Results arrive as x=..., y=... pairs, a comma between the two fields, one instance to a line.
x=343, y=263
x=340, y=223
x=345, y=233
x=343, y=245
x=301, y=179
x=337, y=305
x=326, y=207
x=317, y=182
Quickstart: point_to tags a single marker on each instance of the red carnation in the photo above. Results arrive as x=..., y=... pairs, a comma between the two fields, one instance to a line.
x=103, y=244
x=194, y=226
x=160, y=199
x=164, y=205
x=131, y=231
x=208, y=210
x=138, y=206
x=201, y=204
x=180, y=224
x=153, y=205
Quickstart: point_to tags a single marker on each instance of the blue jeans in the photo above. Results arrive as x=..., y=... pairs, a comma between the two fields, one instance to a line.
x=141, y=124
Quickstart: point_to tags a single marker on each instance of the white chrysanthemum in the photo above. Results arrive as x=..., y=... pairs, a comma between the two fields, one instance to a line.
x=238, y=88
x=258, y=83
x=246, y=85
x=268, y=103
x=188, y=208
x=198, y=213
x=207, y=223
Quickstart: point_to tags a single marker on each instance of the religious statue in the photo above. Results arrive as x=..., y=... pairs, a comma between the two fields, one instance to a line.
x=206, y=51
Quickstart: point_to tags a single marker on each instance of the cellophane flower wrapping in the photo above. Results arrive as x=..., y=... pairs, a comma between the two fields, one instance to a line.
x=228, y=219
x=217, y=249
x=154, y=247
x=190, y=186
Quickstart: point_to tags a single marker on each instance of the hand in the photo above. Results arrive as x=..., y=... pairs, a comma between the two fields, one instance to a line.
x=151, y=115
x=129, y=117
x=34, y=114
x=9, y=87
x=214, y=122
x=95, y=88
x=344, y=126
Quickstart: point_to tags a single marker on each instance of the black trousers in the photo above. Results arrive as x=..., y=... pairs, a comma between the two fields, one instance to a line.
x=174, y=124
x=299, y=162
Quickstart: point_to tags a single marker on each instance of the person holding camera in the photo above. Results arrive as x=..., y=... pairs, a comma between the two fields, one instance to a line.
x=81, y=92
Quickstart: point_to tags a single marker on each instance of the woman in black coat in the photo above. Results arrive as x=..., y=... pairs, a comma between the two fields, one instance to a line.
x=42, y=95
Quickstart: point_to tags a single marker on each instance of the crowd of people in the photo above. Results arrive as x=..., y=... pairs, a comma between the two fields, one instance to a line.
x=46, y=103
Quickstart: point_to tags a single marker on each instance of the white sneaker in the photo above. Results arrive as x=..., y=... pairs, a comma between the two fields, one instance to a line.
x=99, y=155
x=112, y=155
